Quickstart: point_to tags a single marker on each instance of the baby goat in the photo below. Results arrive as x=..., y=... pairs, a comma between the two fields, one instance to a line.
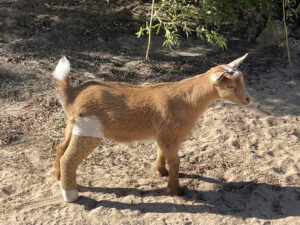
x=166, y=112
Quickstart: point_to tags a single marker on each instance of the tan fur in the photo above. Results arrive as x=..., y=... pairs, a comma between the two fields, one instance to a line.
x=61, y=148
x=166, y=112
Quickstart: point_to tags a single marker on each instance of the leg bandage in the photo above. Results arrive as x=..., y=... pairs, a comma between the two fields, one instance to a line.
x=86, y=136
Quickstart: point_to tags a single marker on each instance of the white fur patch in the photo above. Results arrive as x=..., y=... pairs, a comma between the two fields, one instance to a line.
x=228, y=69
x=89, y=126
x=217, y=77
x=70, y=195
x=62, y=69
x=231, y=70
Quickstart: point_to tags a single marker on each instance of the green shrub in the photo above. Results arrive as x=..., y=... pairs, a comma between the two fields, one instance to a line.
x=204, y=18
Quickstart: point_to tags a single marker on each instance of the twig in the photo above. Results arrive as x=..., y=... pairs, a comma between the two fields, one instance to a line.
x=150, y=31
x=286, y=31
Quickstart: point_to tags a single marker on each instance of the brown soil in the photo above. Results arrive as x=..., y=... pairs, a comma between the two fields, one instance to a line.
x=240, y=166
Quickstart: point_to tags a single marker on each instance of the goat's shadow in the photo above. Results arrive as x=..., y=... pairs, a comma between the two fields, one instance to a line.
x=239, y=199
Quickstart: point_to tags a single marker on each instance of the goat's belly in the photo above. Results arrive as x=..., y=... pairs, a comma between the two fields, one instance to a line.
x=123, y=130
x=128, y=136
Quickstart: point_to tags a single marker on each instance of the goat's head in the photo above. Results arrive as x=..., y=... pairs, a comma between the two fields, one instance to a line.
x=229, y=82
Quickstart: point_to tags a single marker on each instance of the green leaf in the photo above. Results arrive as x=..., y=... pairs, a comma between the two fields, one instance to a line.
x=158, y=29
x=140, y=32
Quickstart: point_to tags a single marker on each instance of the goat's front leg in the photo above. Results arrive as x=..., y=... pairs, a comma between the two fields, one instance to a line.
x=160, y=163
x=170, y=152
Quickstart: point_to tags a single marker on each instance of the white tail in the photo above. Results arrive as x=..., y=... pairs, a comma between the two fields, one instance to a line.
x=62, y=69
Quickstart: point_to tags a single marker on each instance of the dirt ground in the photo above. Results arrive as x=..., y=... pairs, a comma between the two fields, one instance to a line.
x=240, y=166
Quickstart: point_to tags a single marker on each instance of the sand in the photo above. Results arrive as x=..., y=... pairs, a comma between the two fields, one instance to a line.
x=241, y=165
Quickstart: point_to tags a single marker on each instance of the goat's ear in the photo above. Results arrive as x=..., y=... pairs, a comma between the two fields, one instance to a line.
x=237, y=62
x=217, y=77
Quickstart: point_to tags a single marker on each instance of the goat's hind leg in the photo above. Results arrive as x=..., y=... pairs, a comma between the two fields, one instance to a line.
x=61, y=148
x=86, y=136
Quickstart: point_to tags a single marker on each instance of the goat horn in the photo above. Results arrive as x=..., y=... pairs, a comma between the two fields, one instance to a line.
x=237, y=62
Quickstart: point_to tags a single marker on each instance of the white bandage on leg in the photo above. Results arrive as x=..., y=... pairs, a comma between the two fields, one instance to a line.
x=86, y=136
x=89, y=126
x=70, y=195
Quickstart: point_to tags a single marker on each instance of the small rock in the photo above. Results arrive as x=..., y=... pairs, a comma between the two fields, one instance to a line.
x=272, y=36
x=6, y=191
x=236, y=144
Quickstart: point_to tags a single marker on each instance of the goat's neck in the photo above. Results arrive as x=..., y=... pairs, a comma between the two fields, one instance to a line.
x=201, y=92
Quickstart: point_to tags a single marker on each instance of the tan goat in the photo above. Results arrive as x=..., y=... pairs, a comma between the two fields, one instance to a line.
x=165, y=112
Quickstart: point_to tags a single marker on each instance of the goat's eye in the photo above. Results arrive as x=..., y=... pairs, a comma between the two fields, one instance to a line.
x=231, y=72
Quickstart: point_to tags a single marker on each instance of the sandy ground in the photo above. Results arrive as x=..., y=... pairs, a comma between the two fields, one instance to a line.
x=240, y=166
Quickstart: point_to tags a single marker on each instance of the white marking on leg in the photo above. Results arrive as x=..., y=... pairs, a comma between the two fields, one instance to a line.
x=89, y=126
x=70, y=195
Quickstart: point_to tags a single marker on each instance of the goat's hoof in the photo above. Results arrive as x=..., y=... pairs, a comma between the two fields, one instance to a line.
x=70, y=195
x=163, y=173
x=178, y=191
